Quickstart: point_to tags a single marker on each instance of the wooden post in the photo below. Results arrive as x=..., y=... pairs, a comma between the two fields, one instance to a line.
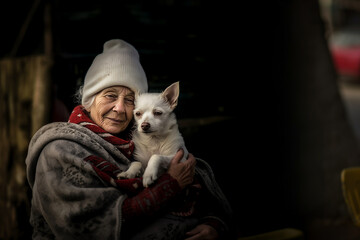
x=17, y=77
x=42, y=89
x=25, y=98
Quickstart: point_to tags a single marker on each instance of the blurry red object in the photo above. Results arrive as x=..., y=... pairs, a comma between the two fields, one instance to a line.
x=347, y=60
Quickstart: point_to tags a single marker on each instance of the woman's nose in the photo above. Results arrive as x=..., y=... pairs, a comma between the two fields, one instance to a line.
x=119, y=106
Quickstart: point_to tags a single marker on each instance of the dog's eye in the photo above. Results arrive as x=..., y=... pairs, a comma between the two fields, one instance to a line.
x=138, y=114
x=157, y=113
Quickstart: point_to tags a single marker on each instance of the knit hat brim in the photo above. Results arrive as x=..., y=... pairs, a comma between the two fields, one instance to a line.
x=118, y=65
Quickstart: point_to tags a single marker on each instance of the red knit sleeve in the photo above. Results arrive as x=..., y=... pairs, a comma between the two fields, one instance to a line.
x=151, y=199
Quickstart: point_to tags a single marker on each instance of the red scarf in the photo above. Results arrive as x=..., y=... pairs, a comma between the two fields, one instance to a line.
x=106, y=170
x=81, y=117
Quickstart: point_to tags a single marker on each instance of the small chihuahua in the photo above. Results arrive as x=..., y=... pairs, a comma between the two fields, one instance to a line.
x=156, y=137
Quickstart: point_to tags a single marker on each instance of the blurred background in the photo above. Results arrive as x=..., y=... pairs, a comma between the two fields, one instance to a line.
x=269, y=96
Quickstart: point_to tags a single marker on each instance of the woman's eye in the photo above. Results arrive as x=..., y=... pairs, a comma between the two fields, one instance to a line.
x=157, y=113
x=111, y=96
x=129, y=101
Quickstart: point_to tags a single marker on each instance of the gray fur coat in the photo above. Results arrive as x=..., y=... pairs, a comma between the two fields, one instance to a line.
x=69, y=200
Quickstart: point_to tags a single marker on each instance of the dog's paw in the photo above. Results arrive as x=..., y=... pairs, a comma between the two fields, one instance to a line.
x=149, y=178
x=147, y=181
x=127, y=174
x=133, y=171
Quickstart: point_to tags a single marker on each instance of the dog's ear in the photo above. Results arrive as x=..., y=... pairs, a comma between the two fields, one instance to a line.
x=171, y=94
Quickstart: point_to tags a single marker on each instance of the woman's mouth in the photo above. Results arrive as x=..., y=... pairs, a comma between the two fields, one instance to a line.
x=116, y=120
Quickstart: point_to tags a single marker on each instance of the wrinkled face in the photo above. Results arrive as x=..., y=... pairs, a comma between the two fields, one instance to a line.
x=113, y=108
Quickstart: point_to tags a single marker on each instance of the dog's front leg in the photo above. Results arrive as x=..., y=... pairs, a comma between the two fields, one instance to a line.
x=155, y=164
x=133, y=170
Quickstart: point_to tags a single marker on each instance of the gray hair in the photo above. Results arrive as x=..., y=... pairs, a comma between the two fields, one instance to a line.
x=78, y=98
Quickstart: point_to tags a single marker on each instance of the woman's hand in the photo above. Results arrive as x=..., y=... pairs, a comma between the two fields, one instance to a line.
x=202, y=232
x=183, y=172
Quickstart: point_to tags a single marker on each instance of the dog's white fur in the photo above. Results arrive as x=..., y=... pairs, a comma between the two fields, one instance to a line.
x=156, y=137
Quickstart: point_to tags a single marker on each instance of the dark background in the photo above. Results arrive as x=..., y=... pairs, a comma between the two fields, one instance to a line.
x=248, y=104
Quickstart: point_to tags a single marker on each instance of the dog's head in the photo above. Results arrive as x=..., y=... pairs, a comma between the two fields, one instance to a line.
x=153, y=112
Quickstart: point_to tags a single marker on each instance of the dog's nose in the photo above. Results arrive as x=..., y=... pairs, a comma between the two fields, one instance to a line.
x=145, y=126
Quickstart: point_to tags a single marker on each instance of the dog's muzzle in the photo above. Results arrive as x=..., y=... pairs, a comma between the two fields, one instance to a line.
x=145, y=126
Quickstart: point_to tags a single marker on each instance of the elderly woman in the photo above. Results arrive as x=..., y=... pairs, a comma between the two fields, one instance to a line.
x=72, y=169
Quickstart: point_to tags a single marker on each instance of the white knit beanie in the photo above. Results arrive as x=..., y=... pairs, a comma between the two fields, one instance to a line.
x=118, y=65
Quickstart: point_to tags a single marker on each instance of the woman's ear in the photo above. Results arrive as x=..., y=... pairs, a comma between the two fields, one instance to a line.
x=171, y=94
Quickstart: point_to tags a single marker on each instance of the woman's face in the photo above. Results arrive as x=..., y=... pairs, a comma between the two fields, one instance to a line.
x=113, y=108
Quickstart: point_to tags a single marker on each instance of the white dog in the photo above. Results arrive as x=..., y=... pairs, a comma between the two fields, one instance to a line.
x=156, y=137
